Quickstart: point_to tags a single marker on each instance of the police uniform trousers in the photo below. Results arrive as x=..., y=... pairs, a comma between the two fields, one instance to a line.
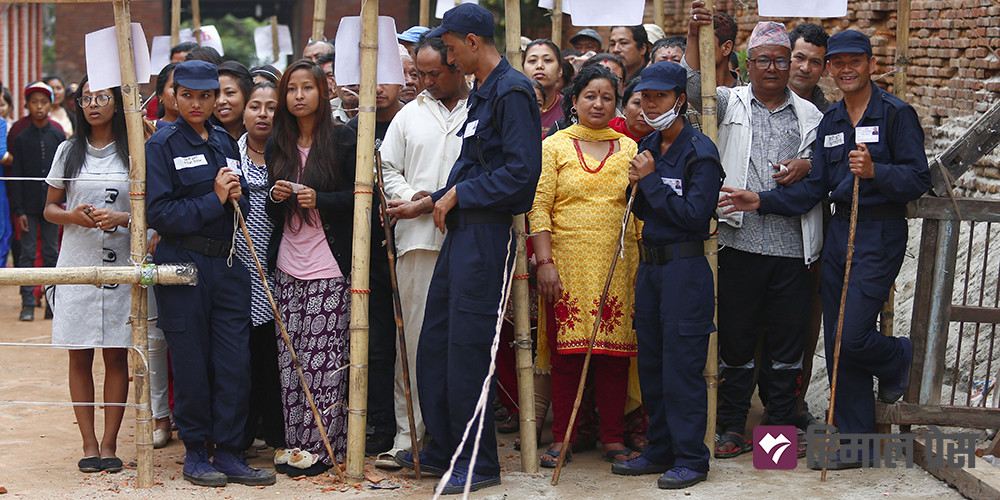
x=453, y=355
x=207, y=328
x=878, y=254
x=674, y=306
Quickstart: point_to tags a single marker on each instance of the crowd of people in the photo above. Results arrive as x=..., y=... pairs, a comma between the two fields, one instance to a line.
x=468, y=141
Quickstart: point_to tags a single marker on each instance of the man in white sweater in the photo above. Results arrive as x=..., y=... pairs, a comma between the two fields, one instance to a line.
x=419, y=149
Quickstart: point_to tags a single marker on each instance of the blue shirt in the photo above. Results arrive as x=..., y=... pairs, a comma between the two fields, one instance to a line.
x=180, y=181
x=498, y=169
x=901, y=173
x=691, y=165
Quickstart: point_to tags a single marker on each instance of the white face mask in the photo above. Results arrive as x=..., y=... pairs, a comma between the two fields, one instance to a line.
x=663, y=121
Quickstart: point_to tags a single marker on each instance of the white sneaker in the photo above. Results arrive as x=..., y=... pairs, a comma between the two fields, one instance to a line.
x=161, y=438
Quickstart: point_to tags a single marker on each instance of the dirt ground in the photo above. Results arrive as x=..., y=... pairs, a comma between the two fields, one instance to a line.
x=40, y=445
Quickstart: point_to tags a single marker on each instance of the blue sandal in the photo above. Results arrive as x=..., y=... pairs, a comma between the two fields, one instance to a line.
x=551, y=464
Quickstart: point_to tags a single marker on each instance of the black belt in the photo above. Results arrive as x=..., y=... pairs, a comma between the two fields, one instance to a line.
x=667, y=253
x=457, y=218
x=885, y=211
x=201, y=244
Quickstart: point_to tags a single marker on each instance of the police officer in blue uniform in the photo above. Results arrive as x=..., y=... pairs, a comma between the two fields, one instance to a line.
x=678, y=175
x=494, y=177
x=876, y=136
x=192, y=175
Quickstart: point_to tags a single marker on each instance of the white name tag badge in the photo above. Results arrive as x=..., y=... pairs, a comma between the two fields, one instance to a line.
x=676, y=184
x=234, y=165
x=866, y=135
x=470, y=129
x=182, y=162
x=833, y=140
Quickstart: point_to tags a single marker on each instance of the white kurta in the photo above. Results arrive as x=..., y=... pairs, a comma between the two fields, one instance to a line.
x=87, y=314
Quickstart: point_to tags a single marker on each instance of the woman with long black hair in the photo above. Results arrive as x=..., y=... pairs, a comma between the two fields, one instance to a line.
x=310, y=251
x=95, y=221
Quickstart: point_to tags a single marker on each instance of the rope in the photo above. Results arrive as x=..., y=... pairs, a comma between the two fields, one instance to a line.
x=480, y=410
x=79, y=346
x=66, y=179
x=68, y=403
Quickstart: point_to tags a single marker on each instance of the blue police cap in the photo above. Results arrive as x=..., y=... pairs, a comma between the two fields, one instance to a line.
x=849, y=42
x=197, y=75
x=465, y=18
x=412, y=35
x=664, y=75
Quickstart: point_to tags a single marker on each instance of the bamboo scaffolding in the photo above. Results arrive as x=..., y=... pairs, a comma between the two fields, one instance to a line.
x=522, y=318
x=557, y=24
x=425, y=13
x=275, y=50
x=319, y=19
x=196, y=20
x=902, y=59
x=166, y=274
x=709, y=126
x=658, y=12
x=175, y=22
x=360, y=262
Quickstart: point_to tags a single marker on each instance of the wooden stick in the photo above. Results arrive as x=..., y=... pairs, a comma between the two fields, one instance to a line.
x=397, y=308
x=522, y=318
x=288, y=343
x=593, y=337
x=319, y=19
x=902, y=48
x=709, y=126
x=840, y=314
x=274, y=39
x=357, y=417
x=175, y=22
x=137, y=232
x=557, y=23
x=425, y=13
x=164, y=274
x=658, y=12
x=196, y=20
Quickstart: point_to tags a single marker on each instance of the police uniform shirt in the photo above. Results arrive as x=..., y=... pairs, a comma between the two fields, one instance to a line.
x=498, y=169
x=180, y=181
x=677, y=200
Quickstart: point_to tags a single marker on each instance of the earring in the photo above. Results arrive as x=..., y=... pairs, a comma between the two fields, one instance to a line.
x=572, y=110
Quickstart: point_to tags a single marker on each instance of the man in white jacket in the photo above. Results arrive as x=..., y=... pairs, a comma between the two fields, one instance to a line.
x=766, y=133
x=419, y=149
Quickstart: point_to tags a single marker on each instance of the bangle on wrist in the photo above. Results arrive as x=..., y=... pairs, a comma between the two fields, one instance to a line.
x=542, y=262
x=270, y=195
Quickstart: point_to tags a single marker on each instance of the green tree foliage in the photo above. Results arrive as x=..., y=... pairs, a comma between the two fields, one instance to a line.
x=237, y=37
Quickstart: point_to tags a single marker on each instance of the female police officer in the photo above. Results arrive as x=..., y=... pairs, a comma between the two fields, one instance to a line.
x=679, y=175
x=192, y=176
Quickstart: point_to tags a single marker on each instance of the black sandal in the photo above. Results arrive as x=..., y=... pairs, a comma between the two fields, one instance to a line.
x=89, y=464
x=111, y=464
x=742, y=446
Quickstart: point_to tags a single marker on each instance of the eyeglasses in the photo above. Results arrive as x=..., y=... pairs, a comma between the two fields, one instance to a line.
x=100, y=99
x=762, y=63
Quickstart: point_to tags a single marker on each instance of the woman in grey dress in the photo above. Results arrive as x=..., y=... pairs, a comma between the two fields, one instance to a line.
x=95, y=233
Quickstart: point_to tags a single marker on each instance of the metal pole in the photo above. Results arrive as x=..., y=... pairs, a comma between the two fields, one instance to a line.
x=522, y=318
x=706, y=54
x=360, y=263
x=137, y=231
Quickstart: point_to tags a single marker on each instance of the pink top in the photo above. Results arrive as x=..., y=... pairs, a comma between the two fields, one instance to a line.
x=304, y=253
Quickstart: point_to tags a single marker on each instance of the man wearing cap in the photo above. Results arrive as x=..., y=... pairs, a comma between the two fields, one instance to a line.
x=33, y=150
x=876, y=137
x=494, y=177
x=765, y=283
x=410, y=37
x=678, y=175
x=193, y=176
x=587, y=40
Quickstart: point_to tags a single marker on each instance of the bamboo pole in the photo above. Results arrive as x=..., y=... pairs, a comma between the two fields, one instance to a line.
x=425, y=13
x=899, y=86
x=274, y=38
x=196, y=20
x=164, y=274
x=175, y=22
x=709, y=126
x=658, y=12
x=522, y=318
x=319, y=20
x=137, y=231
x=360, y=262
x=557, y=23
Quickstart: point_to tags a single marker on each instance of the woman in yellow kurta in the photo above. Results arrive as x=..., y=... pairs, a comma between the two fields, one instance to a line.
x=576, y=218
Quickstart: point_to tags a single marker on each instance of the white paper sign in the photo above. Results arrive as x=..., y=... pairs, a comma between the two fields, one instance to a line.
x=550, y=4
x=103, y=67
x=264, y=42
x=209, y=38
x=445, y=5
x=598, y=13
x=347, y=68
x=802, y=8
x=159, y=55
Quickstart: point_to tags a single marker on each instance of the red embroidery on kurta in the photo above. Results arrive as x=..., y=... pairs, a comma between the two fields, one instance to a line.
x=612, y=314
x=567, y=311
